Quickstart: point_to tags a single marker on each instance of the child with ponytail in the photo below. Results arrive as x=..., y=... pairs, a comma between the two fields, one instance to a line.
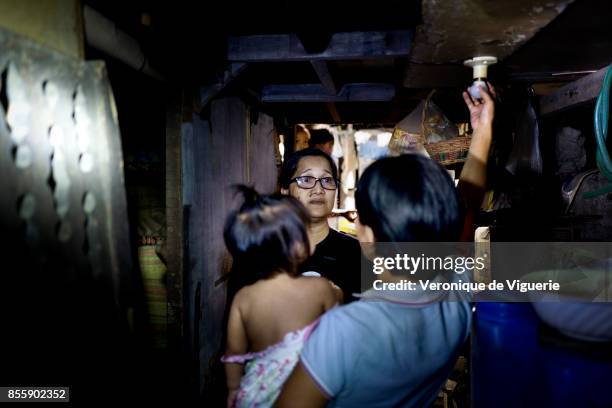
x=271, y=317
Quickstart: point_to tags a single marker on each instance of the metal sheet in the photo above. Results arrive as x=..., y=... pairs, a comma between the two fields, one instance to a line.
x=62, y=212
x=458, y=30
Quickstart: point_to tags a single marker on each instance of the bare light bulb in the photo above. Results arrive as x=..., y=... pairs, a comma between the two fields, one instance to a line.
x=479, y=66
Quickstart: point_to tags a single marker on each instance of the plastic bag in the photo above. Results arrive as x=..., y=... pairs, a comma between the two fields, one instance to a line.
x=404, y=142
x=525, y=157
x=436, y=126
x=569, y=149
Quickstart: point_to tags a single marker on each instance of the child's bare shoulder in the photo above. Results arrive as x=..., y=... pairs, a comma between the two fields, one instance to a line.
x=242, y=296
x=248, y=294
x=316, y=284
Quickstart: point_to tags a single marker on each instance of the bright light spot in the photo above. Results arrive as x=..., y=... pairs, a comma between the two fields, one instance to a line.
x=86, y=162
x=383, y=139
x=361, y=136
x=281, y=147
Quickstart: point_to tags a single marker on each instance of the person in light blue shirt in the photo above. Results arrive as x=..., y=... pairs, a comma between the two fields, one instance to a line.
x=393, y=348
x=386, y=352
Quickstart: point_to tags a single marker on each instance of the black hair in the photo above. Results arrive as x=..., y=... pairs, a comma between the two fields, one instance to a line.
x=291, y=164
x=267, y=234
x=320, y=136
x=409, y=198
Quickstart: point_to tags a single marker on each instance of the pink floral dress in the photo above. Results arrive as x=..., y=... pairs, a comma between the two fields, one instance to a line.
x=266, y=371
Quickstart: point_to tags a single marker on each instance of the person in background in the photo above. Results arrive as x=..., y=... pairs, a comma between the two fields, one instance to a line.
x=302, y=138
x=270, y=318
x=322, y=139
x=311, y=176
x=395, y=348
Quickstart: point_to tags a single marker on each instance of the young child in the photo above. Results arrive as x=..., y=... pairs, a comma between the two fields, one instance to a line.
x=270, y=318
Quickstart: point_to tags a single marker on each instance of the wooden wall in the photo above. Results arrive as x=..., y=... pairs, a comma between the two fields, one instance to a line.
x=232, y=146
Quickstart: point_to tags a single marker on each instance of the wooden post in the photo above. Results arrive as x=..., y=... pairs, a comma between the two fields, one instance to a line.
x=174, y=222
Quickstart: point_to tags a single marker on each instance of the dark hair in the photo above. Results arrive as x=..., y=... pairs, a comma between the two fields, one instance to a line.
x=409, y=198
x=267, y=234
x=320, y=136
x=291, y=164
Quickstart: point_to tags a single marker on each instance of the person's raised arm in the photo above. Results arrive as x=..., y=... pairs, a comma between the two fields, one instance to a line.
x=237, y=343
x=473, y=178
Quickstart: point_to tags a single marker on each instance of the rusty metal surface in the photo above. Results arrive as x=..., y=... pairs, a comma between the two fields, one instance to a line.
x=62, y=208
x=57, y=24
x=457, y=30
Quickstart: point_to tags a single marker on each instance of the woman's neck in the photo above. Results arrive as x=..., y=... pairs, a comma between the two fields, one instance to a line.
x=317, y=231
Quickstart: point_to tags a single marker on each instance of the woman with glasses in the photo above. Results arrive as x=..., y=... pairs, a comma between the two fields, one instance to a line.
x=311, y=176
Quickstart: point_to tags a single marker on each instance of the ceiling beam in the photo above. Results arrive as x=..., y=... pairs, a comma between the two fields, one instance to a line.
x=318, y=93
x=207, y=93
x=322, y=70
x=342, y=46
x=575, y=93
x=542, y=77
x=333, y=112
x=325, y=77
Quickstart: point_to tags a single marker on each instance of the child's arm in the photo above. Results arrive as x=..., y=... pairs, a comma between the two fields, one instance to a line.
x=338, y=294
x=332, y=294
x=236, y=344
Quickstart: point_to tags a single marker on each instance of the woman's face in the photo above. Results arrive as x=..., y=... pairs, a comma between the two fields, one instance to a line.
x=317, y=200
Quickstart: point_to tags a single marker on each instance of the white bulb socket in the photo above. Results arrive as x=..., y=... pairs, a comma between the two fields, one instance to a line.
x=479, y=66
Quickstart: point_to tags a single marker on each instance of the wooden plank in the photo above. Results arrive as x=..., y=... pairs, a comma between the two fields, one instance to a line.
x=352, y=45
x=333, y=111
x=324, y=75
x=318, y=93
x=367, y=92
x=262, y=157
x=174, y=220
x=575, y=93
x=209, y=199
x=554, y=77
x=207, y=93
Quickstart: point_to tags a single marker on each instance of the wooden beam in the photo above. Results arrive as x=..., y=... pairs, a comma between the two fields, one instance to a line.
x=207, y=93
x=174, y=249
x=333, y=112
x=550, y=77
x=318, y=93
x=575, y=93
x=343, y=46
x=325, y=77
x=322, y=70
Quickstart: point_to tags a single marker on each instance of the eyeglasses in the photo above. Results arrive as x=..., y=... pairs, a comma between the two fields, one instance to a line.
x=308, y=182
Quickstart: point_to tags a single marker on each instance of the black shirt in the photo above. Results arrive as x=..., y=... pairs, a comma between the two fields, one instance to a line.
x=338, y=258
